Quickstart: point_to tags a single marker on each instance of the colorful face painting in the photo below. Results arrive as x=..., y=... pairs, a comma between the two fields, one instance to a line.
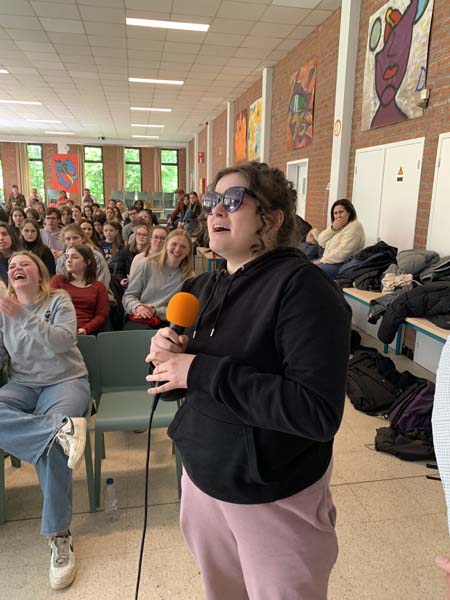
x=299, y=125
x=240, y=137
x=254, y=130
x=396, y=62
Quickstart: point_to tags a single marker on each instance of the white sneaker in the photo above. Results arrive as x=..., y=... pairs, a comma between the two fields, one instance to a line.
x=72, y=438
x=62, y=562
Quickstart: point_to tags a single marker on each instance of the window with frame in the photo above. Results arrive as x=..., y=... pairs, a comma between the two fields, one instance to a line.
x=169, y=170
x=133, y=169
x=93, y=171
x=36, y=168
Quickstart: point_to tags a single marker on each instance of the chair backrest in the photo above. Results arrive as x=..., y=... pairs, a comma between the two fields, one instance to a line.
x=121, y=358
x=117, y=195
x=87, y=345
x=52, y=195
x=142, y=196
x=130, y=196
x=169, y=200
x=157, y=200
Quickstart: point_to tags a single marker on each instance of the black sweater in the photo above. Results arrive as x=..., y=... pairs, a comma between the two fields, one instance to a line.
x=266, y=390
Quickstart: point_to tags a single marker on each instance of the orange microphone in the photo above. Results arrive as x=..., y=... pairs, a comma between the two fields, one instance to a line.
x=182, y=311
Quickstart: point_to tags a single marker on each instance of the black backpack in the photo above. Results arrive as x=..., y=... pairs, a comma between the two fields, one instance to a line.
x=410, y=436
x=371, y=382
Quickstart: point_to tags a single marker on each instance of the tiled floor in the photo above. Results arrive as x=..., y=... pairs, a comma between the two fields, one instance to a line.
x=391, y=525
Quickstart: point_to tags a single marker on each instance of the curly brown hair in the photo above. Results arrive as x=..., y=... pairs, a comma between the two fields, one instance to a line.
x=273, y=193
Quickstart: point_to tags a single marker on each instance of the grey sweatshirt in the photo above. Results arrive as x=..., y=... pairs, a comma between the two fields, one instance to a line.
x=149, y=285
x=41, y=343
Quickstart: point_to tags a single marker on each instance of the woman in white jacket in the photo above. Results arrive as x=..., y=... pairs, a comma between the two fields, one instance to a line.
x=343, y=239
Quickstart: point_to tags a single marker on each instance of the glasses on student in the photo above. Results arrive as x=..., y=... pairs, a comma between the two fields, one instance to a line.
x=231, y=199
x=160, y=238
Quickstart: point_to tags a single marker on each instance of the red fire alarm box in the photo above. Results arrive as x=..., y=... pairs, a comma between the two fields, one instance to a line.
x=200, y=158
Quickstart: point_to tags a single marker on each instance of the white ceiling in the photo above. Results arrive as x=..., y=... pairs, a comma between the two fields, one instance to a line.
x=75, y=56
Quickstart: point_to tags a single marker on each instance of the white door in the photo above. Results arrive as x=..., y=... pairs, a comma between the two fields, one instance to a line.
x=367, y=189
x=401, y=181
x=439, y=228
x=297, y=172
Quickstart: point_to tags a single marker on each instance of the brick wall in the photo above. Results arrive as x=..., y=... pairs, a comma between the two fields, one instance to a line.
x=202, y=166
x=190, y=183
x=182, y=181
x=322, y=43
x=219, y=143
x=148, y=170
x=9, y=167
x=47, y=152
x=436, y=117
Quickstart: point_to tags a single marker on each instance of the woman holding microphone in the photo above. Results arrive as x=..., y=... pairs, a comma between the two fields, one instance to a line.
x=265, y=370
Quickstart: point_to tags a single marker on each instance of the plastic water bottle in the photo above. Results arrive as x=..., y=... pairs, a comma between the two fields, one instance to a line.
x=111, y=501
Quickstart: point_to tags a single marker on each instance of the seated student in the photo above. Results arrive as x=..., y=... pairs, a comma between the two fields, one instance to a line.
x=30, y=235
x=88, y=212
x=87, y=227
x=66, y=216
x=157, y=240
x=193, y=211
x=9, y=243
x=98, y=223
x=62, y=198
x=73, y=235
x=343, y=239
x=16, y=218
x=40, y=208
x=77, y=215
x=89, y=296
x=112, y=240
x=42, y=405
x=51, y=233
x=156, y=280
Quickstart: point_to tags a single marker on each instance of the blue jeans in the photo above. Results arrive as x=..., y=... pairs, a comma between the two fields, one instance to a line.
x=330, y=270
x=29, y=420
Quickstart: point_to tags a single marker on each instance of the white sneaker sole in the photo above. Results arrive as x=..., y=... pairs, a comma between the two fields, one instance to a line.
x=75, y=460
x=63, y=583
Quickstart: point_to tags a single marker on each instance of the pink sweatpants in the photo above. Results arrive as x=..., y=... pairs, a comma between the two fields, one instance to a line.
x=282, y=550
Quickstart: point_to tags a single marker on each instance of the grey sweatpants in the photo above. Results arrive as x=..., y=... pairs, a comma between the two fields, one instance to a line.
x=282, y=550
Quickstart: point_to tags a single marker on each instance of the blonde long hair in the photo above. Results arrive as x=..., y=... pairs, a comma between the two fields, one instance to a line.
x=45, y=291
x=161, y=258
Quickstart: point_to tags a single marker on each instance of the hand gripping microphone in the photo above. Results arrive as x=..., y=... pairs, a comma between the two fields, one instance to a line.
x=181, y=312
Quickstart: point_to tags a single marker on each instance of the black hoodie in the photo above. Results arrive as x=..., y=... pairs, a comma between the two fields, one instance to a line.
x=266, y=390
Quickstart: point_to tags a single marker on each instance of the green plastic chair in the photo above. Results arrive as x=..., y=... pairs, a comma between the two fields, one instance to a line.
x=88, y=348
x=157, y=200
x=117, y=195
x=125, y=404
x=142, y=196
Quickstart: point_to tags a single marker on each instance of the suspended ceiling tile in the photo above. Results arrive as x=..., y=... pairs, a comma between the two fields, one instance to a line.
x=283, y=14
x=288, y=45
x=19, y=22
x=245, y=10
x=56, y=10
x=212, y=60
x=316, y=17
x=69, y=39
x=330, y=4
x=297, y=3
x=156, y=5
x=107, y=42
x=182, y=48
x=272, y=29
x=231, y=26
x=301, y=32
x=189, y=37
x=106, y=15
x=204, y=8
x=62, y=25
x=171, y=57
x=65, y=52
x=256, y=53
x=145, y=33
x=251, y=41
x=134, y=44
x=222, y=39
x=111, y=30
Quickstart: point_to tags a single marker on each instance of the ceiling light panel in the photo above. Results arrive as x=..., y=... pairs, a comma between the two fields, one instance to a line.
x=150, y=109
x=167, y=24
x=155, y=81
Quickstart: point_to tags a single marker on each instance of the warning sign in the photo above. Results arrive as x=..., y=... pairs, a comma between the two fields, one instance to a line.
x=400, y=174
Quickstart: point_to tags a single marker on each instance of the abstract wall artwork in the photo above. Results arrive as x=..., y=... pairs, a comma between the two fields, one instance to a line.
x=65, y=172
x=299, y=124
x=396, y=62
x=254, y=130
x=240, y=137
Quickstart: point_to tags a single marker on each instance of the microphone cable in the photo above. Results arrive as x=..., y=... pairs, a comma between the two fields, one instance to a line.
x=147, y=472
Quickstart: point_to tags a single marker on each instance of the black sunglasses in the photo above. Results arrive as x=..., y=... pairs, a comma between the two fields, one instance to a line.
x=231, y=199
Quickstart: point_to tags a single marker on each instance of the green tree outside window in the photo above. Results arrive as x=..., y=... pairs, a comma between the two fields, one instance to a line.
x=93, y=171
x=133, y=169
x=169, y=170
x=36, y=169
